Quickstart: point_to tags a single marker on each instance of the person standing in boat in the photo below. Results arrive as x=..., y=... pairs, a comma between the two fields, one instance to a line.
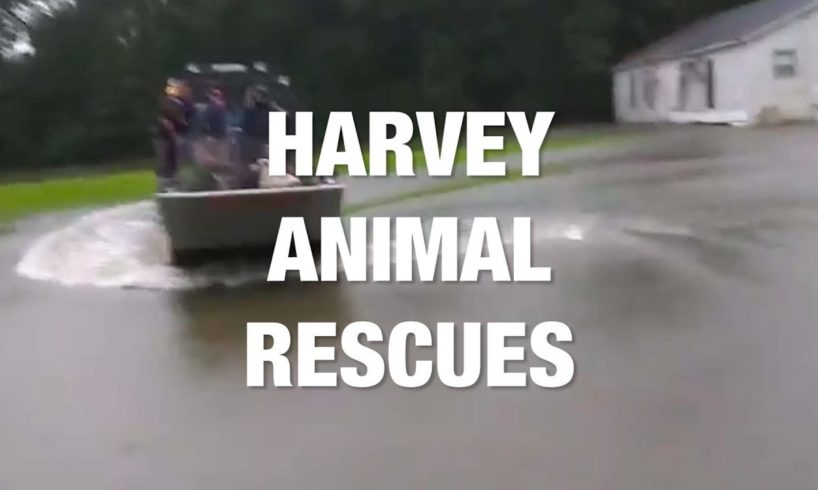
x=255, y=123
x=172, y=132
x=214, y=118
x=173, y=122
x=184, y=123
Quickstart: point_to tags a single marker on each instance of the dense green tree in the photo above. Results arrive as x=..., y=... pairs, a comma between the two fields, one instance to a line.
x=88, y=90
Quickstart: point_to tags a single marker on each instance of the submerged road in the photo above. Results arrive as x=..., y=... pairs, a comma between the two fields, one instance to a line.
x=686, y=263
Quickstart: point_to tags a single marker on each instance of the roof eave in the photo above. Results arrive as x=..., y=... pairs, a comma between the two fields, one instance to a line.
x=630, y=65
x=781, y=22
x=764, y=30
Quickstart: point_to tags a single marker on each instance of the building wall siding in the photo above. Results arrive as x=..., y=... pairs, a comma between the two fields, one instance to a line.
x=785, y=99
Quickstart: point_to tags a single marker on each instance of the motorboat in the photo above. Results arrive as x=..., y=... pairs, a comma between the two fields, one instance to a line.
x=229, y=215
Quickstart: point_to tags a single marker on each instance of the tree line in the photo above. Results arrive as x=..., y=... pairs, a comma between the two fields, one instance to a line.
x=79, y=79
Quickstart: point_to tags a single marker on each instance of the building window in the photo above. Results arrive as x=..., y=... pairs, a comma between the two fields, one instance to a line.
x=650, y=87
x=785, y=64
x=684, y=82
x=632, y=84
x=711, y=84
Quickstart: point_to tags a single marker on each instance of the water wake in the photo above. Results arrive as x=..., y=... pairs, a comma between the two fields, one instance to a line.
x=127, y=247
x=123, y=247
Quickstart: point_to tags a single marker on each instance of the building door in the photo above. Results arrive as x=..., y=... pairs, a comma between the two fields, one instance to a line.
x=697, y=85
x=791, y=92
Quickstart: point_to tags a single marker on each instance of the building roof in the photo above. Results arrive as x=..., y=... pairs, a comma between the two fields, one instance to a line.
x=722, y=30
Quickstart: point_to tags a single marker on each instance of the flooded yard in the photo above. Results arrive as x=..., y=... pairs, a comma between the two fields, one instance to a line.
x=684, y=262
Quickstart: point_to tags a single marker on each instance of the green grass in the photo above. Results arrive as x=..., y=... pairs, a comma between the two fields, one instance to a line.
x=22, y=199
x=18, y=200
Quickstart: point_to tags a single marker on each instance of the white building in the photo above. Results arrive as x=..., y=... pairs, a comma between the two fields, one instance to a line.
x=753, y=64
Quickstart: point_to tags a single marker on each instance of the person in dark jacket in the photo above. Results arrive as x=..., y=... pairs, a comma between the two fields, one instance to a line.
x=214, y=119
x=255, y=123
x=255, y=120
x=172, y=123
x=172, y=130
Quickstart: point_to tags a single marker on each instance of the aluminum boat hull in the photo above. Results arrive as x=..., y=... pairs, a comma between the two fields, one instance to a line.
x=203, y=224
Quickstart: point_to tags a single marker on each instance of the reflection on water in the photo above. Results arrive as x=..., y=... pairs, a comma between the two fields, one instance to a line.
x=212, y=322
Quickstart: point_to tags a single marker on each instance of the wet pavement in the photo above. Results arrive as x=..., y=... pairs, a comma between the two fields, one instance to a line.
x=685, y=263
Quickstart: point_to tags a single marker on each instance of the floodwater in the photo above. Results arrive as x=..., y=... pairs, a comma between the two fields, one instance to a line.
x=684, y=262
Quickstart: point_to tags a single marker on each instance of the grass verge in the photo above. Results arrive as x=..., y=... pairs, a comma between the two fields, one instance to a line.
x=22, y=199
